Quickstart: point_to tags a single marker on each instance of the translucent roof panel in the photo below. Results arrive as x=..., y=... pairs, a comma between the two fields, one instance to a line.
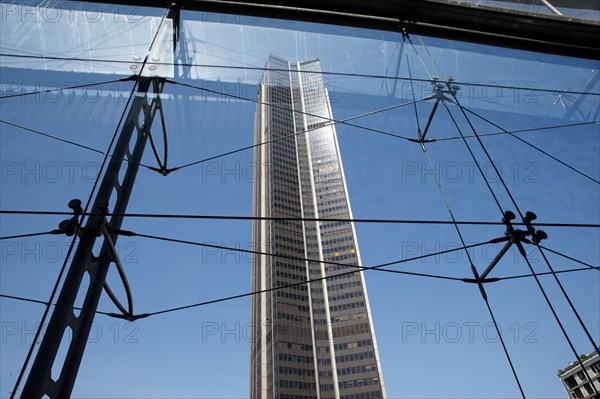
x=77, y=37
x=585, y=10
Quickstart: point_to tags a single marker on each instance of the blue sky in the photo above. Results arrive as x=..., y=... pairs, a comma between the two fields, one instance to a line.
x=435, y=338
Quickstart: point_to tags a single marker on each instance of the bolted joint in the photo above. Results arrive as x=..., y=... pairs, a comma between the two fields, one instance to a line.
x=508, y=216
x=536, y=235
x=96, y=226
x=75, y=205
x=68, y=226
x=102, y=206
x=519, y=235
x=539, y=236
x=529, y=217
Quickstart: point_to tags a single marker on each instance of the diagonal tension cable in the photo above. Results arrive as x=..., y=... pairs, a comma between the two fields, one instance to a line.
x=255, y=101
x=54, y=232
x=487, y=183
x=531, y=145
x=542, y=290
x=324, y=73
x=567, y=256
x=23, y=299
x=473, y=268
x=580, y=269
x=51, y=136
x=357, y=270
x=253, y=252
x=534, y=129
x=330, y=122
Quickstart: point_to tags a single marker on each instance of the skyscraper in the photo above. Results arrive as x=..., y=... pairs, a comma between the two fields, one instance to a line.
x=312, y=340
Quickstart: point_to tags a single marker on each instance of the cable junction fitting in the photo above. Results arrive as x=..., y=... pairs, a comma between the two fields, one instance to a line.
x=440, y=94
x=511, y=236
x=71, y=226
x=99, y=227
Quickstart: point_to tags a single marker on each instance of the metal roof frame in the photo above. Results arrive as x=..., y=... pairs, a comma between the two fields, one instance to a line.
x=449, y=19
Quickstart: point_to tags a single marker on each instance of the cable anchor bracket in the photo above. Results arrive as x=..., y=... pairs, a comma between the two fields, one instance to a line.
x=513, y=236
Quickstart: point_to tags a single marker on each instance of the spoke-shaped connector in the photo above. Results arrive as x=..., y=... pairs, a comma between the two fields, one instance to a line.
x=539, y=236
x=75, y=205
x=536, y=235
x=529, y=217
x=508, y=216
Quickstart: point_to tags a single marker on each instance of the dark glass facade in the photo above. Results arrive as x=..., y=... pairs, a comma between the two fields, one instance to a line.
x=317, y=339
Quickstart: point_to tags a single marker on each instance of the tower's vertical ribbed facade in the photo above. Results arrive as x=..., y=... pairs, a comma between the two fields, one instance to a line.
x=311, y=340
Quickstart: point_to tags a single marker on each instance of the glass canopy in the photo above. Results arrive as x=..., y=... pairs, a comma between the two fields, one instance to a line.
x=429, y=130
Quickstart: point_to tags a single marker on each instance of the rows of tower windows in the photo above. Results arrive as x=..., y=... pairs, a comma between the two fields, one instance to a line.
x=290, y=276
x=338, y=240
x=336, y=250
x=296, y=371
x=332, y=202
x=291, y=266
x=353, y=329
x=300, y=308
x=345, y=267
x=359, y=383
x=346, y=295
x=291, y=317
x=297, y=384
x=355, y=370
x=284, y=250
x=290, y=396
x=347, y=317
x=352, y=345
x=283, y=192
x=354, y=356
x=288, y=239
x=340, y=277
x=343, y=286
x=288, y=248
x=332, y=225
x=294, y=358
x=287, y=223
x=363, y=395
x=296, y=346
x=347, y=306
x=326, y=387
x=286, y=199
x=333, y=209
x=300, y=287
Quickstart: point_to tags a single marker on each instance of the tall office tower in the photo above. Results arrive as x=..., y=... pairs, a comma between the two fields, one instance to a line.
x=312, y=340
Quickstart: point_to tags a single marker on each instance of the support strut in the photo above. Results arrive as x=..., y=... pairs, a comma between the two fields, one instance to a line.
x=40, y=381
